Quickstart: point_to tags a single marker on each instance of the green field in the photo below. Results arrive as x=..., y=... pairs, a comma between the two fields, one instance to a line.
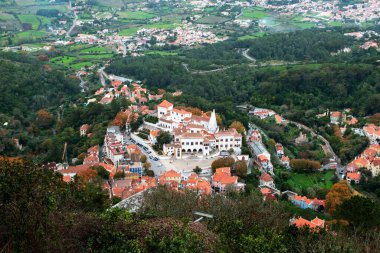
x=30, y=19
x=161, y=25
x=31, y=35
x=129, y=31
x=301, y=182
x=6, y=17
x=136, y=15
x=92, y=50
x=95, y=56
x=79, y=65
x=44, y=20
x=255, y=13
x=252, y=36
x=65, y=60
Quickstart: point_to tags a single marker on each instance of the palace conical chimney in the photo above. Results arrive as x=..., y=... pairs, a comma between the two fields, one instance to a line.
x=212, y=124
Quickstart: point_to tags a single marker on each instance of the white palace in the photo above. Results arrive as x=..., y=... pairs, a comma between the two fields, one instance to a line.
x=193, y=134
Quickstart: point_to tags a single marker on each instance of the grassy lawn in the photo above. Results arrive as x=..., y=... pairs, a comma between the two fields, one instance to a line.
x=129, y=31
x=30, y=19
x=256, y=13
x=303, y=181
x=136, y=15
x=92, y=50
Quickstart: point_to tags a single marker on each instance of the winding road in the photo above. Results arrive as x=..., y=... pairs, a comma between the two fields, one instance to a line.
x=74, y=22
x=245, y=54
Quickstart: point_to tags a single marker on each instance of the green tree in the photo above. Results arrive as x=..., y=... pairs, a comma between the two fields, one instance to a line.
x=360, y=212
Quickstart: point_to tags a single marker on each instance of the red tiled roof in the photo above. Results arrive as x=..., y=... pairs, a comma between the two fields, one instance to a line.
x=266, y=177
x=265, y=191
x=165, y=104
x=353, y=176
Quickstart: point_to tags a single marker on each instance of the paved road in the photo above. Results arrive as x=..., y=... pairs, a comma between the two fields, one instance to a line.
x=82, y=82
x=102, y=74
x=327, y=145
x=74, y=22
x=244, y=53
x=157, y=166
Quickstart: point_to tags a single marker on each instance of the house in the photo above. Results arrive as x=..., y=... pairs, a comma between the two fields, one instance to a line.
x=300, y=222
x=353, y=177
x=266, y=180
x=306, y=203
x=361, y=162
x=262, y=113
x=255, y=136
x=193, y=182
x=163, y=108
x=267, y=193
x=222, y=179
x=374, y=167
x=84, y=129
x=279, y=119
x=285, y=161
x=171, y=178
x=136, y=167
x=372, y=132
x=279, y=150
x=335, y=117
x=153, y=136
x=72, y=171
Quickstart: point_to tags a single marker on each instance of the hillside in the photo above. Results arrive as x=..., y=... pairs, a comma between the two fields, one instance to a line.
x=28, y=85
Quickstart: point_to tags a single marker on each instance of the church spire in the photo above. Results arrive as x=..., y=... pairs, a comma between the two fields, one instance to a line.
x=212, y=124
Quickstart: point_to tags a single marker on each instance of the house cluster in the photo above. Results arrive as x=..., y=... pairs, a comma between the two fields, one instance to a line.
x=372, y=132
x=194, y=134
x=118, y=153
x=261, y=156
x=130, y=185
x=368, y=159
x=281, y=155
x=221, y=181
x=337, y=117
x=187, y=35
x=262, y=113
x=135, y=93
x=329, y=11
x=267, y=186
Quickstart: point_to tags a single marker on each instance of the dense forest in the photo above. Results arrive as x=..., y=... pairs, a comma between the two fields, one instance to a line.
x=298, y=87
x=41, y=213
x=28, y=85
